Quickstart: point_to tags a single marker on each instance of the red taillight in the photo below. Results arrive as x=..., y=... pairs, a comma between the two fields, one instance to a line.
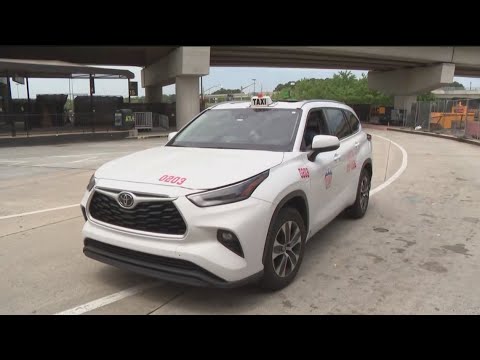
x=369, y=137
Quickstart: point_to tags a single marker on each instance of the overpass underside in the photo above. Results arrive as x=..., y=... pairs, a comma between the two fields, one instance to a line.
x=403, y=72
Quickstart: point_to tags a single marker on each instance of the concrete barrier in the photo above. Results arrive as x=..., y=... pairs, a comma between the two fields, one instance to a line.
x=443, y=136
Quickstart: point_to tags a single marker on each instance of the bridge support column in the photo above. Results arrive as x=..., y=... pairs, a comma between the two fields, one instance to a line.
x=188, y=99
x=402, y=102
x=183, y=66
x=153, y=94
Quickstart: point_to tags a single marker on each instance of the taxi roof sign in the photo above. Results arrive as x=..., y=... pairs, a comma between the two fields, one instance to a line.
x=260, y=101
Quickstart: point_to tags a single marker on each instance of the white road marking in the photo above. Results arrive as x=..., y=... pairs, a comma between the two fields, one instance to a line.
x=62, y=157
x=95, y=304
x=104, y=153
x=38, y=211
x=82, y=160
x=50, y=165
x=12, y=161
x=397, y=173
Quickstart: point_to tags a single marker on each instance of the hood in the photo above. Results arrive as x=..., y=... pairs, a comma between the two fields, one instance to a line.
x=190, y=168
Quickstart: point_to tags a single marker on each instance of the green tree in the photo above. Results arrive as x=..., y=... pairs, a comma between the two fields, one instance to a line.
x=226, y=91
x=456, y=84
x=344, y=86
x=426, y=97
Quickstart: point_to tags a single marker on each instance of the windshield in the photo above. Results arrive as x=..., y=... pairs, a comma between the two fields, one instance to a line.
x=252, y=129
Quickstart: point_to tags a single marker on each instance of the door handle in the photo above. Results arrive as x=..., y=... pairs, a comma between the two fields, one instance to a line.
x=336, y=157
x=357, y=144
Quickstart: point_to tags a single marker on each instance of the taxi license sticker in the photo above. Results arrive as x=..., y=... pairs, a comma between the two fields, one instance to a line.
x=328, y=178
x=351, y=161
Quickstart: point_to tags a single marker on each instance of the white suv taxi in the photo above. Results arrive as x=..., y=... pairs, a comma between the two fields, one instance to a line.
x=234, y=196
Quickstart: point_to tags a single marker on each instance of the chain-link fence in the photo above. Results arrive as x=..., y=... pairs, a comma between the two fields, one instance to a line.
x=459, y=117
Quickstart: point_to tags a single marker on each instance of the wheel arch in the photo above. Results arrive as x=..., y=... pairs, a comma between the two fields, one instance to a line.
x=367, y=164
x=296, y=199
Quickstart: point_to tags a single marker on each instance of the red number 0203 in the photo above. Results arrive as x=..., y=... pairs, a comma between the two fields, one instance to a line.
x=173, y=179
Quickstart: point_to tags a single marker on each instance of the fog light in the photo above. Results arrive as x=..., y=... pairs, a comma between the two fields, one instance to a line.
x=230, y=241
x=226, y=236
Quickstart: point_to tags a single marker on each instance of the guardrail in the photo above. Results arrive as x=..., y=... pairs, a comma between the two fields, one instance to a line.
x=149, y=120
x=143, y=120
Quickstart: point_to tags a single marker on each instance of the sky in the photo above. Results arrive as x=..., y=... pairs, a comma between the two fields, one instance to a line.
x=227, y=77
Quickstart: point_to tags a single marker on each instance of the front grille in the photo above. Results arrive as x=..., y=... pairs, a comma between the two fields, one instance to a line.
x=155, y=217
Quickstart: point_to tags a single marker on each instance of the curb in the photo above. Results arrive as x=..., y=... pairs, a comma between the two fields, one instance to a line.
x=152, y=136
x=146, y=137
x=62, y=139
x=448, y=137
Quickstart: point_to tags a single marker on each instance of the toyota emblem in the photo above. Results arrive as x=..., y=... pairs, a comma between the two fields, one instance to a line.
x=125, y=200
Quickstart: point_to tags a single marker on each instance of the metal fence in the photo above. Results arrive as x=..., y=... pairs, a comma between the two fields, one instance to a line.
x=12, y=125
x=458, y=117
x=31, y=124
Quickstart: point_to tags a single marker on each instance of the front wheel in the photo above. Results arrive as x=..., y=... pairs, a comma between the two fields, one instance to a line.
x=284, y=250
x=359, y=208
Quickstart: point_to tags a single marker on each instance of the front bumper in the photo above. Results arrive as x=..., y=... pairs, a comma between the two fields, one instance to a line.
x=166, y=257
x=169, y=269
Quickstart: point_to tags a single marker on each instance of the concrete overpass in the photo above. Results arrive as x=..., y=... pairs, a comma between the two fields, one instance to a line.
x=456, y=94
x=400, y=71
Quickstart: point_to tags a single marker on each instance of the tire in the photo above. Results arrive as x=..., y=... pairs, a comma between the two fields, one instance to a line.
x=360, y=206
x=282, y=262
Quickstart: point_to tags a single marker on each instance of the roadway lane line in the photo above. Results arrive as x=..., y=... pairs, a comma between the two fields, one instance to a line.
x=397, y=173
x=82, y=160
x=104, y=153
x=106, y=300
x=38, y=211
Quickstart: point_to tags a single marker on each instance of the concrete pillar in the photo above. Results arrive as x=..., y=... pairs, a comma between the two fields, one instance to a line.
x=188, y=98
x=183, y=66
x=153, y=94
x=402, y=102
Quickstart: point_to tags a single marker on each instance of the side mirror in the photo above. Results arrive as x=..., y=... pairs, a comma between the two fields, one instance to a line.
x=323, y=143
x=171, y=135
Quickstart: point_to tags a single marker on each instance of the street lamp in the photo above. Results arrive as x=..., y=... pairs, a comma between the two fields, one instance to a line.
x=212, y=88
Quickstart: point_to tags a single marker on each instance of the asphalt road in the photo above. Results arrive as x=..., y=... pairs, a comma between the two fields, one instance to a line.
x=415, y=252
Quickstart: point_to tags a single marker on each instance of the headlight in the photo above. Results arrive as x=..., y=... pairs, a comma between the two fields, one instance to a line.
x=91, y=183
x=229, y=194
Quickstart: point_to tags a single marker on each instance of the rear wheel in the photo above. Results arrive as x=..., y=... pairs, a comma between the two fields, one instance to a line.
x=284, y=250
x=359, y=208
